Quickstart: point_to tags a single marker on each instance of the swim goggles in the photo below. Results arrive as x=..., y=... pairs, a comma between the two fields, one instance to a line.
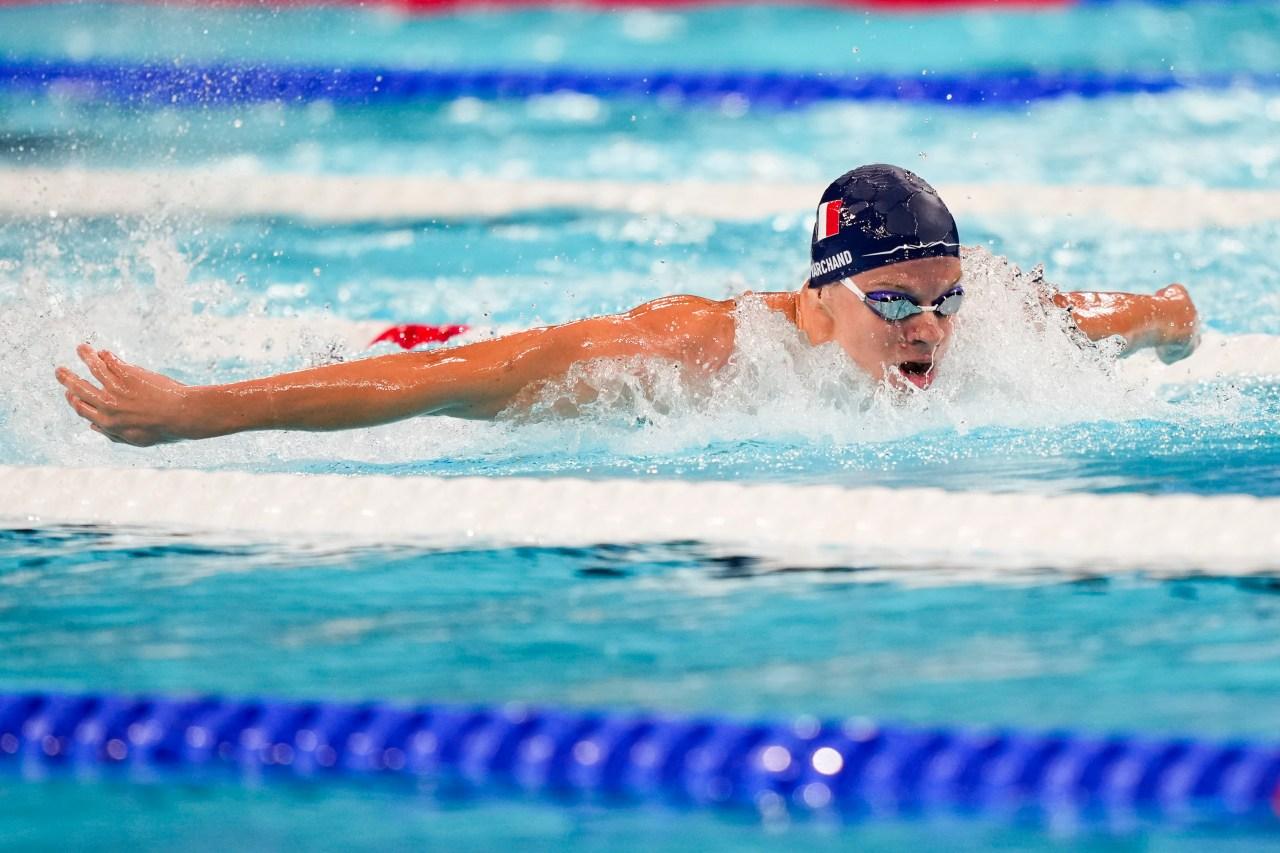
x=895, y=306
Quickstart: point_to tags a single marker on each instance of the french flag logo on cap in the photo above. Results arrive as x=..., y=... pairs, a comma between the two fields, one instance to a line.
x=828, y=219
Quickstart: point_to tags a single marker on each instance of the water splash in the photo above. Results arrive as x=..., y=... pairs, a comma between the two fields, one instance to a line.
x=1016, y=361
x=779, y=405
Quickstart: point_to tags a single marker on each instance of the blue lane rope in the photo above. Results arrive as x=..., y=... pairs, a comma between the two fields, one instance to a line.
x=847, y=768
x=163, y=85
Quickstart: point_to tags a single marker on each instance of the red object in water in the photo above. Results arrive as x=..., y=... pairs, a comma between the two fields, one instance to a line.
x=411, y=335
x=429, y=6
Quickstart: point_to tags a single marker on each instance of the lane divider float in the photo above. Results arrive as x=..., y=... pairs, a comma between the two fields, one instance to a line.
x=854, y=768
x=177, y=85
x=971, y=535
x=352, y=199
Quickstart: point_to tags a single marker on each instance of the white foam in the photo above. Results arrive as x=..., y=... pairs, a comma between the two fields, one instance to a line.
x=365, y=198
x=783, y=525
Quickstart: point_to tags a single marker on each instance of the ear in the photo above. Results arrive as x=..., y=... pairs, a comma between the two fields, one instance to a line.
x=819, y=321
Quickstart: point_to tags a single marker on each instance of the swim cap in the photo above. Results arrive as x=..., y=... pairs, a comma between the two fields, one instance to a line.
x=875, y=216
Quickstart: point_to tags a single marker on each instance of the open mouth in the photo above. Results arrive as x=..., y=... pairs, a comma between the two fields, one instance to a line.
x=918, y=373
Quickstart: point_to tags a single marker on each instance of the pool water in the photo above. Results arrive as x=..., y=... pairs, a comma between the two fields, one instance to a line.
x=662, y=627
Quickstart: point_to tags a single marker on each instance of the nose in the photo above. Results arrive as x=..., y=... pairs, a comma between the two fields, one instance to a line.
x=924, y=331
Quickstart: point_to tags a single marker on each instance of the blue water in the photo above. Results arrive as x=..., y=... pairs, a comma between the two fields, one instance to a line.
x=1191, y=138
x=664, y=628
x=658, y=628
x=1189, y=37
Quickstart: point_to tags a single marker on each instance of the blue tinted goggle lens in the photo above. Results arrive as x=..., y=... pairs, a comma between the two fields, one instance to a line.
x=951, y=303
x=892, y=308
x=895, y=307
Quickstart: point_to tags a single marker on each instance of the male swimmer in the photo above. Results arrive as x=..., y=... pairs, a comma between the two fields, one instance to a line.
x=884, y=285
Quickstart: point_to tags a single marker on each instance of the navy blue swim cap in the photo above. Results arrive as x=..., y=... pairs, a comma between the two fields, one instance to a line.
x=878, y=215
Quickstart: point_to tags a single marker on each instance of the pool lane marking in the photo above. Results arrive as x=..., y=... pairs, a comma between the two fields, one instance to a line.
x=975, y=534
x=171, y=85
x=851, y=768
x=427, y=7
x=396, y=198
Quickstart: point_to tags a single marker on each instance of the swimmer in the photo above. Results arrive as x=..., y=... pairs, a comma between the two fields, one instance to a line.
x=884, y=285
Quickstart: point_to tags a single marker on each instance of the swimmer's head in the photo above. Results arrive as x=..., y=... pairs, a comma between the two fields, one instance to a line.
x=875, y=216
x=883, y=240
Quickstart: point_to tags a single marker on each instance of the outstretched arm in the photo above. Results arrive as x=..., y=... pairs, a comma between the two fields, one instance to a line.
x=1166, y=321
x=136, y=406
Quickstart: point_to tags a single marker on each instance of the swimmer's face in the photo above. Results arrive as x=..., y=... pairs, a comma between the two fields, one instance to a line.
x=905, y=352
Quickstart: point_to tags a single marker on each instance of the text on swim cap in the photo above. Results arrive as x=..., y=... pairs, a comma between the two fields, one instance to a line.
x=826, y=265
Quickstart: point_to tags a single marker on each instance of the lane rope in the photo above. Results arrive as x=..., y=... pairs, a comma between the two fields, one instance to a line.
x=852, y=767
x=335, y=199
x=170, y=85
x=908, y=6
x=975, y=534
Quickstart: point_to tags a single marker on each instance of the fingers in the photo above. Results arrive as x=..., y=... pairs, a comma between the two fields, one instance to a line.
x=81, y=389
x=84, y=409
x=117, y=368
x=97, y=366
x=88, y=401
x=97, y=420
x=101, y=407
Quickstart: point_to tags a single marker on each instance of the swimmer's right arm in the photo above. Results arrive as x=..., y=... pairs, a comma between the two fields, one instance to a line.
x=1167, y=322
x=135, y=406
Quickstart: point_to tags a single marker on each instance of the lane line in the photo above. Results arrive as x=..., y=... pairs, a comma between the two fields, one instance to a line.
x=783, y=525
x=339, y=199
x=853, y=767
x=171, y=85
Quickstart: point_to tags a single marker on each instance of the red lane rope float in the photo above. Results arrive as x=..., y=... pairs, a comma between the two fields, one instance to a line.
x=428, y=6
x=410, y=335
x=889, y=5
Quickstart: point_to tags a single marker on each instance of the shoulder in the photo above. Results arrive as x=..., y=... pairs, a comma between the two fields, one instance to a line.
x=690, y=329
x=697, y=330
x=682, y=311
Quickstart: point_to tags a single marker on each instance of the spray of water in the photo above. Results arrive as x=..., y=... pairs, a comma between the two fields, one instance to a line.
x=1014, y=363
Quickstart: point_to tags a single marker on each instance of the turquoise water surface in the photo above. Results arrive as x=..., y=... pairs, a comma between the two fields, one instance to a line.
x=614, y=626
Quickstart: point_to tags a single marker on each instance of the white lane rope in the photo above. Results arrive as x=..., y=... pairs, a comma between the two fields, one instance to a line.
x=373, y=198
x=783, y=525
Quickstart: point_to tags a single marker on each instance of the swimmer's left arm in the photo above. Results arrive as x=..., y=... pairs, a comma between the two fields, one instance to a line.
x=136, y=406
x=1167, y=321
x=132, y=405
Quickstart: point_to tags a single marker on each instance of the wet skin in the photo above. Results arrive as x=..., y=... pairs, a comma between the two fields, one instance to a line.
x=880, y=347
x=132, y=405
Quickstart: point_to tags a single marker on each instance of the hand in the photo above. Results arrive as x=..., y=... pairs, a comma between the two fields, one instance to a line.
x=133, y=406
x=1177, y=324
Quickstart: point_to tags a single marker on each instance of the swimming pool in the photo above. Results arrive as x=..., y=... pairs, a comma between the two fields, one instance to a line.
x=678, y=627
